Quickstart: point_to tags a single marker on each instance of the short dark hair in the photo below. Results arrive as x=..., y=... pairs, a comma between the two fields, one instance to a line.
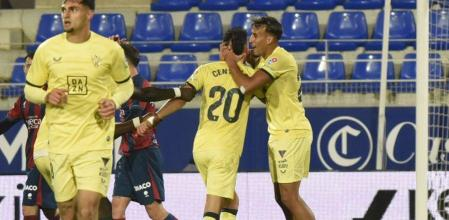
x=271, y=24
x=237, y=37
x=131, y=53
x=30, y=55
x=89, y=3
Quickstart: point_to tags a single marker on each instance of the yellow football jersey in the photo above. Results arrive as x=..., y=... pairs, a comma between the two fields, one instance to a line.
x=224, y=109
x=85, y=71
x=285, y=112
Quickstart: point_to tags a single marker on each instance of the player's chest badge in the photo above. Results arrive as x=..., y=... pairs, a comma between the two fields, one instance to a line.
x=96, y=61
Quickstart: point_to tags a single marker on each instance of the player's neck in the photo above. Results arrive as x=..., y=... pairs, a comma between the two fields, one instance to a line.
x=269, y=50
x=79, y=36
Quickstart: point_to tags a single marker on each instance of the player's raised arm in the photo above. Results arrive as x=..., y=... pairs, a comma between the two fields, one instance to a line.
x=129, y=126
x=153, y=94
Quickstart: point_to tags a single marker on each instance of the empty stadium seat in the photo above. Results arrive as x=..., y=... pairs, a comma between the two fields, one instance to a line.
x=199, y=27
x=49, y=26
x=439, y=28
x=109, y=24
x=243, y=20
x=408, y=72
x=299, y=26
x=17, y=76
x=315, y=4
x=345, y=25
x=402, y=26
x=403, y=4
x=266, y=5
x=290, y=2
x=363, y=4
x=194, y=2
x=176, y=72
x=144, y=68
x=214, y=57
x=172, y=5
x=219, y=5
x=152, y=27
x=368, y=67
x=321, y=67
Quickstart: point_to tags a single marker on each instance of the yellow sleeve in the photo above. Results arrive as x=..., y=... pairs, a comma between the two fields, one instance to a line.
x=119, y=68
x=274, y=67
x=197, y=78
x=123, y=92
x=36, y=78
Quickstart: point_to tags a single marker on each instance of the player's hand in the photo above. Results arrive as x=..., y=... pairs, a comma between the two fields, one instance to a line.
x=144, y=128
x=228, y=55
x=57, y=97
x=106, y=108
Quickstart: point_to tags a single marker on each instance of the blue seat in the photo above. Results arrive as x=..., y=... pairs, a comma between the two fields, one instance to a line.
x=368, y=67
x=266, y=5
x=199, y=27
x=345, y=25
x=172, y=5
x=194, y=2
x=321, y=67
x=152, y=27
x=49, y=26
x=17, y=76
x=219, y=5
x=290, y=2
x=403, y=4
x=144, y=68
x=408, y=72
x=109, y=24
x=214, y=57
x=176, y=72
x=402, y=26
x=439, y=29
x=242, y=2
x=363, y=4
x=299, y=26
x=315, y=4
x=244, y=20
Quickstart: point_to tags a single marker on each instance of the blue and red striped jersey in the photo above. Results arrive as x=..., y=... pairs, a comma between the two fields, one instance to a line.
x=32, y=115
x=131, y=109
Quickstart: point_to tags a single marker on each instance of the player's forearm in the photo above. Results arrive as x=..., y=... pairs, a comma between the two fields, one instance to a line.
x=128, y=126
x=243, y=81
x=123, y=92
x=35, y=94
x=170, y=107
x=153, y=94
x=5, y=125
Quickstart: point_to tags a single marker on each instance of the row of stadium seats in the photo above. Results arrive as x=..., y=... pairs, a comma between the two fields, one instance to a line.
x=318, y=66
x=157, y=27
x=267, y=5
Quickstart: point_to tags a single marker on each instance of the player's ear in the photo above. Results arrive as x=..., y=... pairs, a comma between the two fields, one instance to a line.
x=90, y=14
x=269, y=39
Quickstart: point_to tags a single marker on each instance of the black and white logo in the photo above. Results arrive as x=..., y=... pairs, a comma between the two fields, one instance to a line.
x=345, y=143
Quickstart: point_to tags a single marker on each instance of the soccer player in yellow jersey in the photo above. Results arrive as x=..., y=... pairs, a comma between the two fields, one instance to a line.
x=219, y=140
x=77, y=66
x=290, y=131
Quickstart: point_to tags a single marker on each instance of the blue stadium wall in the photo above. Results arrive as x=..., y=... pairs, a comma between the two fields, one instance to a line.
x=344, y=140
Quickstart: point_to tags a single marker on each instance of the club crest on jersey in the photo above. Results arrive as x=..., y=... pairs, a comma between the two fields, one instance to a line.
x=96, y=61
x=57, y=59
x=273, y=60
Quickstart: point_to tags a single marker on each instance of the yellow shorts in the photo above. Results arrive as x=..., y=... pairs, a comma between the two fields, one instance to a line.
x=88, y=171
x=43, y=165
x=289, y=157
x=218, y=168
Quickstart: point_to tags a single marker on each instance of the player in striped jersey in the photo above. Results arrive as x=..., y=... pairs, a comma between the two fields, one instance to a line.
x=37, y=193
x=138, y=172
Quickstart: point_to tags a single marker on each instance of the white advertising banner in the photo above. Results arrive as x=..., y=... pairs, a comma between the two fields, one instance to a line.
x=331, y=195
